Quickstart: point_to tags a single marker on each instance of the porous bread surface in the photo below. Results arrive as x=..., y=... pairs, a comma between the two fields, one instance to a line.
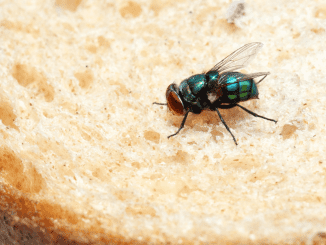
x=84, y=154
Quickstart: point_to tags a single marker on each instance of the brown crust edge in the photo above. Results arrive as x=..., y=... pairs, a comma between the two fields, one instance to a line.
x=21, y=223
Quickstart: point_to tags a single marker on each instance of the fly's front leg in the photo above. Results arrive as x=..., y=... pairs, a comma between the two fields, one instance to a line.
x=156, y=103
x=182, y=124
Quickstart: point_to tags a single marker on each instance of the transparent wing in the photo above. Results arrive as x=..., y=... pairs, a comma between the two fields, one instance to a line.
x=248, y=77
x=239, y=58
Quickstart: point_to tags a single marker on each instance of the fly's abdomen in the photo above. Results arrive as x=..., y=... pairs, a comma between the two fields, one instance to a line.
x=233, y=91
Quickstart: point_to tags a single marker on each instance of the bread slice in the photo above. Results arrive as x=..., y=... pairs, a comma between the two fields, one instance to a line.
x=84, y=155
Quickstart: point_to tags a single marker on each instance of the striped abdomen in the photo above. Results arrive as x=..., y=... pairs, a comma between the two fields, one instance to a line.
x=236, y=92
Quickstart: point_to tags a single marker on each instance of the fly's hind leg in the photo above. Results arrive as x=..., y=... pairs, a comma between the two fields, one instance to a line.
x=263, y=78
x=256, y=115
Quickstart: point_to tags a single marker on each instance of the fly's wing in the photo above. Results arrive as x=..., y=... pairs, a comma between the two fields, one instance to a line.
x=238, y=59
x=248, y=77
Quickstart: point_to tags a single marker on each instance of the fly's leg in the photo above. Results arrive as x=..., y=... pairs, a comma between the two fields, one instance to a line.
x=256, y=115
x=155, y=103
x=182, y=124
x=262, y=78
x=226, y=126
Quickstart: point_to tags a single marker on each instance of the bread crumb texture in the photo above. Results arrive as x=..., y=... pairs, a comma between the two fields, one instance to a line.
x=84, y=155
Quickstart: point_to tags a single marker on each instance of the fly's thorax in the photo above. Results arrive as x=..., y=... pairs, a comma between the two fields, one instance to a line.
x=212, y=78
x=214, y=95
x=214, y=91
x=174, y=101
x=193, y=88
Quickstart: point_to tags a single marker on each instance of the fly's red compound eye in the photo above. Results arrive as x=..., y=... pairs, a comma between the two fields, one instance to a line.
x=174, y=101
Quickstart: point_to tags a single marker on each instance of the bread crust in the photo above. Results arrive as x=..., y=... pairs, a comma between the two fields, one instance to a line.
x=84, y=155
